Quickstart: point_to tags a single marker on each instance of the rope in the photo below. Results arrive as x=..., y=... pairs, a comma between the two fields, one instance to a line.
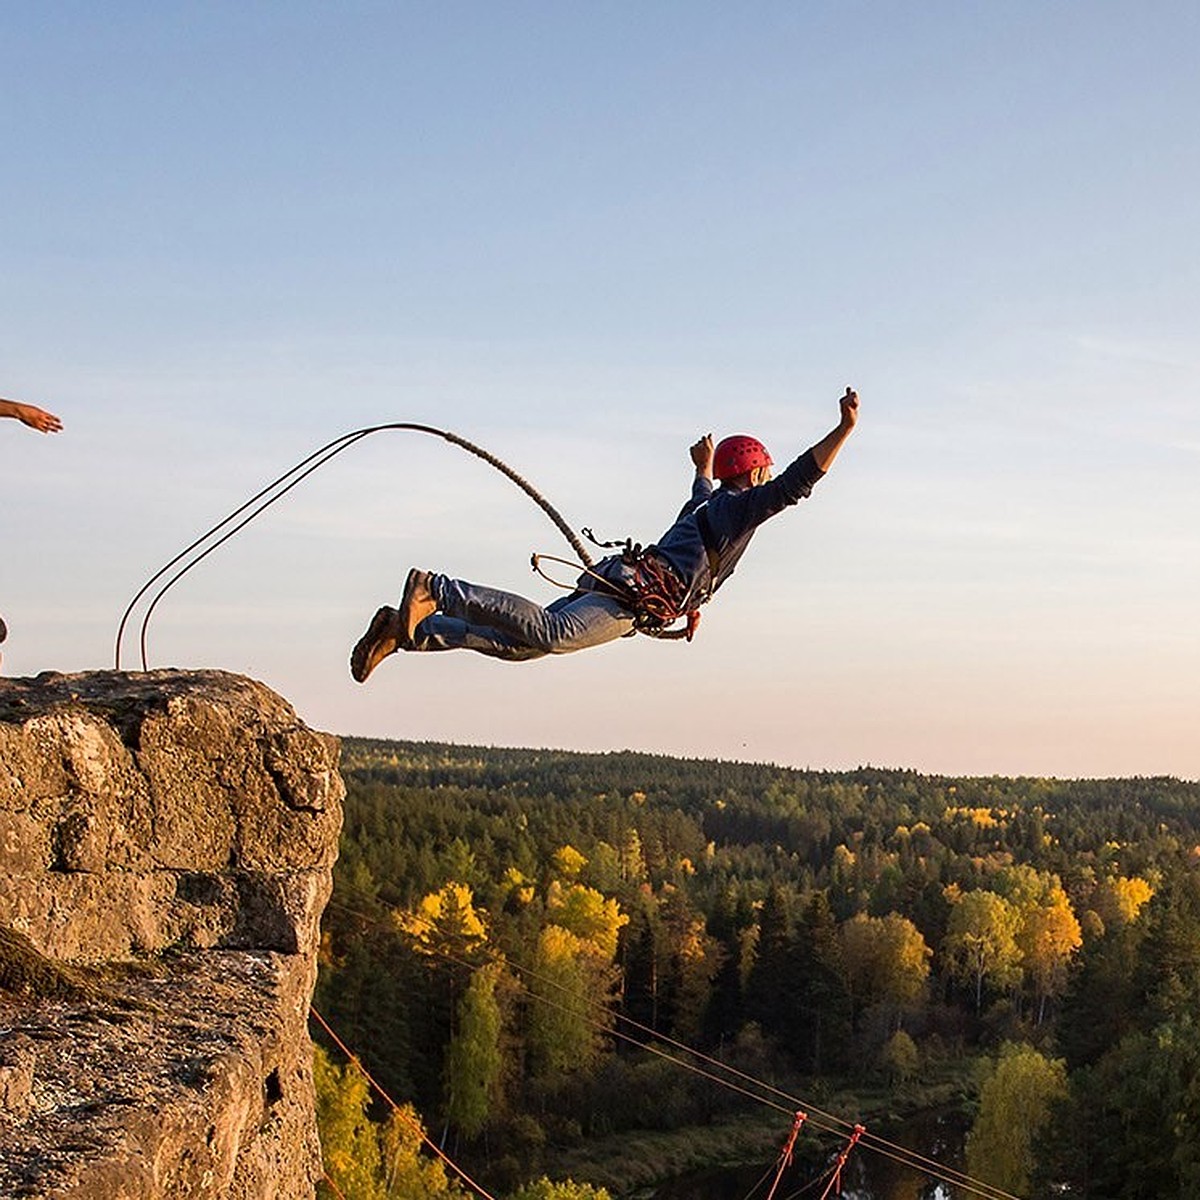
x=785, y=1157
x=836, y=1181
x=337, y=1191
x=279, y=487
x=761, y=1180
x=606, y=585
x=398, y=1110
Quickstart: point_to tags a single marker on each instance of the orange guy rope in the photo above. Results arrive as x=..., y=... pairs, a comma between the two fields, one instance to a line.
x=836, y=1181
x=785, y=1158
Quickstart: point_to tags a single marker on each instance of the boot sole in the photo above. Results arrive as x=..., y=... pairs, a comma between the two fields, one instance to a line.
x=381, y=626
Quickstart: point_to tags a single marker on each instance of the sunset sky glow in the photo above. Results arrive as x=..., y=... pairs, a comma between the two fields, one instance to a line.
x=581, y=236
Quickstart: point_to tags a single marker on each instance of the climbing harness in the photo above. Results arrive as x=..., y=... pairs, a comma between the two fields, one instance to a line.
x=208, y=541
x=659, y=602
x=653, y=592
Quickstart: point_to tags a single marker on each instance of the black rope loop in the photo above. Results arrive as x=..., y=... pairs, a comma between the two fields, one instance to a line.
x=279, y=487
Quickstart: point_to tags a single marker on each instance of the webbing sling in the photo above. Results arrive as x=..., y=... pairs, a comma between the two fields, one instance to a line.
x=710, y=549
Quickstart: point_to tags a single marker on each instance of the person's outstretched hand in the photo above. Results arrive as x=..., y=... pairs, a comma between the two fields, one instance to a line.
x=849, y=406
x=34, y=417
x=702, y=455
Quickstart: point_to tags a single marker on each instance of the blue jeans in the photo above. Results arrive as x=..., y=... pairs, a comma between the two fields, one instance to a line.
x=504, y=625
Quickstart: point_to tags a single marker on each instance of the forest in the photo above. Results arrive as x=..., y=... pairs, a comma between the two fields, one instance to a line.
x=523, y=947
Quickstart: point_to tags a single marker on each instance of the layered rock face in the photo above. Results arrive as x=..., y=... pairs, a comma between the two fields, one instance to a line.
x=166, y=843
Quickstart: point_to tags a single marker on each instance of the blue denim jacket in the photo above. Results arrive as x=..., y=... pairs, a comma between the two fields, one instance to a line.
x=732, y=518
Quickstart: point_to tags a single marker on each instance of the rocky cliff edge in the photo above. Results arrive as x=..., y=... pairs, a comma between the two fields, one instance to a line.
x=166, y=843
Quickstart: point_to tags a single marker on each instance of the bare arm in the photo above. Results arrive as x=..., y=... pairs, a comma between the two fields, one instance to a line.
x=31, y=415
x=825, y=451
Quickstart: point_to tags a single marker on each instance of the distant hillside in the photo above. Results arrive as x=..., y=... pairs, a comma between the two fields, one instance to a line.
x=794, y=818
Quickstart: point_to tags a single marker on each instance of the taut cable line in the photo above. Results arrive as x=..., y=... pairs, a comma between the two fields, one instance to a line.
x=337, y=1191
x=280, y=486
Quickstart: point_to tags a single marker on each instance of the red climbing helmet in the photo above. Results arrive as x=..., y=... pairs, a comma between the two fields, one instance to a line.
x=736, y=455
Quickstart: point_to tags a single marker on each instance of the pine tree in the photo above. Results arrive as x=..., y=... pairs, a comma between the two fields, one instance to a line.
x=822, y=1032
x=769, y=994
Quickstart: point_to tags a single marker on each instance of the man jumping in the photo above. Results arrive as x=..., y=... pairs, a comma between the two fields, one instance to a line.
x=671, y=578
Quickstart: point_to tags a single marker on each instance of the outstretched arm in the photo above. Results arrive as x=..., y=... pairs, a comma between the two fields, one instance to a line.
x=31, y=415
x=701, y=454
x=825, y=451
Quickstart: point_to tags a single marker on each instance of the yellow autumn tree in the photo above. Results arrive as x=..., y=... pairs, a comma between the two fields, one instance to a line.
x=365, y=1160
x=981, y=941
x=587, y=914
x=446, y=923
x=1025, y=886
x=568, y=862
x=1048, y=935
x=1048, y=932
x=567, y=1018
x=518, y=888
x=886, y=960
x=1014, y=1105
x=474, y=1058
x=410, y=1174
x=1118, y=901
x=349, y=1139
x=900, y=1056
x=633, y=861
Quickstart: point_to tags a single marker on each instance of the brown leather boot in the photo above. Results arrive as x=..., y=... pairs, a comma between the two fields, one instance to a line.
x=416, y=604
x=381, y=639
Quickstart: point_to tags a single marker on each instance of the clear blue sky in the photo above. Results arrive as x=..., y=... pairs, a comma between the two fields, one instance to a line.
x=581, y=235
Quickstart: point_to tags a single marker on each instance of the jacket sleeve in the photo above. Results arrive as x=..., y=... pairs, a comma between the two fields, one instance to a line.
x=702, y=489
x=753, y=506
